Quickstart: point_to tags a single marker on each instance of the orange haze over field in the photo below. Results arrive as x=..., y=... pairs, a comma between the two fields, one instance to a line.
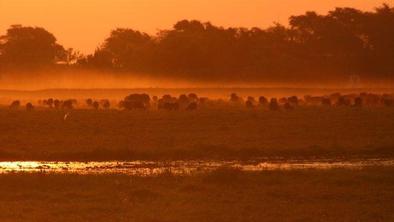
x=83, y=24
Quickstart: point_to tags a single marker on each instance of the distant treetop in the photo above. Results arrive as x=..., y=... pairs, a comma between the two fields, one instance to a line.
x=344, y=42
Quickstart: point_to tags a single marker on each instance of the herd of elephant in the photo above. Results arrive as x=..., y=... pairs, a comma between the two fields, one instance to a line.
x=192, y=102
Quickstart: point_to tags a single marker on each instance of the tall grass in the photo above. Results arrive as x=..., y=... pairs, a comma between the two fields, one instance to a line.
x=204, y=134
x=223, y=195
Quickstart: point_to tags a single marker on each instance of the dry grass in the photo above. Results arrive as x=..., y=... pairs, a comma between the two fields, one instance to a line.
x=208, y=133
x=335, y=195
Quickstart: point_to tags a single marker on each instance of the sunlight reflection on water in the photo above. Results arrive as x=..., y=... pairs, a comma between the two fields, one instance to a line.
x=151, y=168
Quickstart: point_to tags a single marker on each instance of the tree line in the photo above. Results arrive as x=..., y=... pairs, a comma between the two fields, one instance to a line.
x=344, y=42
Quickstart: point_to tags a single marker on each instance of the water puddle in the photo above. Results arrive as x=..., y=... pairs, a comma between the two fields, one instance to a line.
x=150, y=168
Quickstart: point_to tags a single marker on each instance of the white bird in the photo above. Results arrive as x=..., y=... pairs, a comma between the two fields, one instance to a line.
x=66, y=116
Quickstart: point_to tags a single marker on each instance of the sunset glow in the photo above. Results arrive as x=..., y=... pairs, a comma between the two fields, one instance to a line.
x=83, y=24
x=196, y=110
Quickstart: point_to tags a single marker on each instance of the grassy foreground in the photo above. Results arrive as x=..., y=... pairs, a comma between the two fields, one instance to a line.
x=223, y=195
x=227, y=133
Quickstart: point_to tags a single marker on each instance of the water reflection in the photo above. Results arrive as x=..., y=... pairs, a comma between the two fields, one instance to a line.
x=148, y=168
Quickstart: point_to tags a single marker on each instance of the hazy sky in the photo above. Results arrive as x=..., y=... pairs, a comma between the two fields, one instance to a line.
x=83, y=24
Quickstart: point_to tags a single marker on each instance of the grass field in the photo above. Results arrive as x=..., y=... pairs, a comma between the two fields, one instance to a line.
x=204, y=134
x=223, y=195
x=221, y=132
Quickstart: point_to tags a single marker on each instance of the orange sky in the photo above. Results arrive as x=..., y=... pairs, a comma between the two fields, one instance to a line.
x=83, y=24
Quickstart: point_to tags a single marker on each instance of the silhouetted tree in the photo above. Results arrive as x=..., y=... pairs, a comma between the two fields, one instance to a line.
x=29, y=46
x=342, y=43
